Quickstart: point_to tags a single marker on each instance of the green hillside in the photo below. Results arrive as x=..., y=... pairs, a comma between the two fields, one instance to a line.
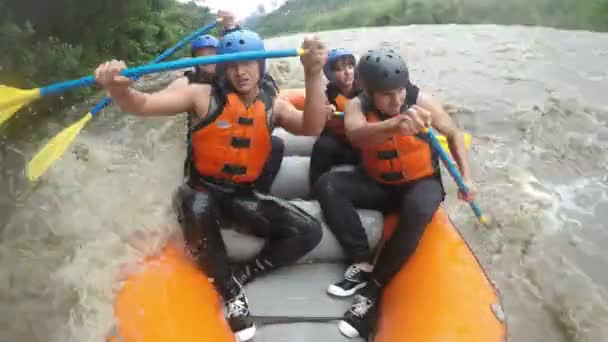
x=319, y=15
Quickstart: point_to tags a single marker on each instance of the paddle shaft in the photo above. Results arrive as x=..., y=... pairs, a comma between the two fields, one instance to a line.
x=452, y=170
x=61, y=87
x=106, y=101
x=184, y=42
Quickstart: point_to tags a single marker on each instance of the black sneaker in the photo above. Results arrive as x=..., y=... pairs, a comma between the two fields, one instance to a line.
x=237, y=314
x=245, y=272
x=355, y=278
x=357, y=320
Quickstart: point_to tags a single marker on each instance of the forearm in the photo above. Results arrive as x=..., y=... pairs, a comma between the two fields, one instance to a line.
x=458, y=150
x=314, y=117
x=166, y=102
x=129, y=100
x=374, y=133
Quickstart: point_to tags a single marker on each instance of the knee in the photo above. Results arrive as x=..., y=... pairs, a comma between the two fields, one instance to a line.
x=181, y=197
x=325, y=187
x=323, y=145
x=424, y=200
x=311, y=235
x=278, y=145
x=419, y=210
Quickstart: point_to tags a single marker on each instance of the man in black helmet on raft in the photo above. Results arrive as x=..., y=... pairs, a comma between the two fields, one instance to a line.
x=399, y=172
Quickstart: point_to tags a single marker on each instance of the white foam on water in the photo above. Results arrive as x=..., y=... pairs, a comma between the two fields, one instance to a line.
x=70, y=244
x=83, y=232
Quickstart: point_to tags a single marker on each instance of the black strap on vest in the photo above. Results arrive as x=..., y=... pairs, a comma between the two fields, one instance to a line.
x=219, y=97
x=332, y=92
x=217, y=102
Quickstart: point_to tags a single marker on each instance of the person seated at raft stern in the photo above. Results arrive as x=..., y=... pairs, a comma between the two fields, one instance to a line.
x=244, y=106
x=332, y=148
x=206, y=45
x=399, y=172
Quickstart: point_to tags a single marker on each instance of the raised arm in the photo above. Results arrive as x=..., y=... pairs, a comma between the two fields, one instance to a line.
x=312, y=120
x=360, y=132
x=178, y=83
x=169, y=101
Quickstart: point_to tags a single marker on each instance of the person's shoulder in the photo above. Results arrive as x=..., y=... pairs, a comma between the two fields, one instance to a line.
x=178, y=82
x=282, y=103
x=425, y=97
x=429, y=101
x=200, y=88
x=355, y=102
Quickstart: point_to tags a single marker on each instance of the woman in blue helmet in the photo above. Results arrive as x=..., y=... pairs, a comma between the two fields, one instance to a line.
x=332, y=148
x=244, y=106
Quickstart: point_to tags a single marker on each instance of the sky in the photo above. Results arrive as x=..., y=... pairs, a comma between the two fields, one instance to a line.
x=241, y=8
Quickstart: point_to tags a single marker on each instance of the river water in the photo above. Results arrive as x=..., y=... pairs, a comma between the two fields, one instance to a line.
x=534, y=100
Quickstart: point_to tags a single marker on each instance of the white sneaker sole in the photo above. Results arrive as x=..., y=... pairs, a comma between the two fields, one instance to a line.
x=347, y=330
x=340, y=292
x=245, y=335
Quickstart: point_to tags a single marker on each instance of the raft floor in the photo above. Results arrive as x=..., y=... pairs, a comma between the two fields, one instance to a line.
x=296, y=291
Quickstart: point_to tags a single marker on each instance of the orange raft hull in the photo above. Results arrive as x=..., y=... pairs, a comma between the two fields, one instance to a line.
x=297, y=97
x=442, y=294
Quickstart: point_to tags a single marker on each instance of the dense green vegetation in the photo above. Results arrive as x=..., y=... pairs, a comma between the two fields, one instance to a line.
x=318, y=15
x=46, y=41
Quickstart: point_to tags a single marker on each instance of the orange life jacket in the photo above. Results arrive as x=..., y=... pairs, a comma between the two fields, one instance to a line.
x=233, y=142
x=400, y=158
x=336, y=123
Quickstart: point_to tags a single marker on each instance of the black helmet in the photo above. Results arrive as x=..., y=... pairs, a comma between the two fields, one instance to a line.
x=382, y=69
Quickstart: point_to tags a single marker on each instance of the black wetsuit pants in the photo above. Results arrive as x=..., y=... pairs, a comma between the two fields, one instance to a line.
x=272, y=166
x=339, y=193
x=290, y=232
x=327, y=152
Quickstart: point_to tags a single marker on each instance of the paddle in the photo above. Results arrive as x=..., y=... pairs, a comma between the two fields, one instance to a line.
x=57, y=146
x=454, y=172
x=11, y=98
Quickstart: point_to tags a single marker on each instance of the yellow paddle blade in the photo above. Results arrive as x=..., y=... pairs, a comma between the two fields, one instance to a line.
x=444, y=142
x=54, y=149
x=12, y=99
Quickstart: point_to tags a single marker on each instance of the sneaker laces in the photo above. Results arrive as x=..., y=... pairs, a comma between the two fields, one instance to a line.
x=237, y=306
x=362, y=306
x=351, y=272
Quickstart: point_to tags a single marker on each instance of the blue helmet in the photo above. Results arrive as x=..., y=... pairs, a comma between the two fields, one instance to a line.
x=241, y=41
x=205, y=41
x=333, y=56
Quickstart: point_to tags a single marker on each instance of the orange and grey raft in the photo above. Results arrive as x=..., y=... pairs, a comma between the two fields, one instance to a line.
x=441, y=294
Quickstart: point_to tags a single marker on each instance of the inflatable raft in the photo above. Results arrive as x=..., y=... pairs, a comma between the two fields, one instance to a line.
x=441, y=295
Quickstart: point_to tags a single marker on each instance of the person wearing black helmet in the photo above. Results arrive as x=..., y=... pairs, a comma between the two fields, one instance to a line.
x=399, y=172
x=332, y=148
x=230, y=141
